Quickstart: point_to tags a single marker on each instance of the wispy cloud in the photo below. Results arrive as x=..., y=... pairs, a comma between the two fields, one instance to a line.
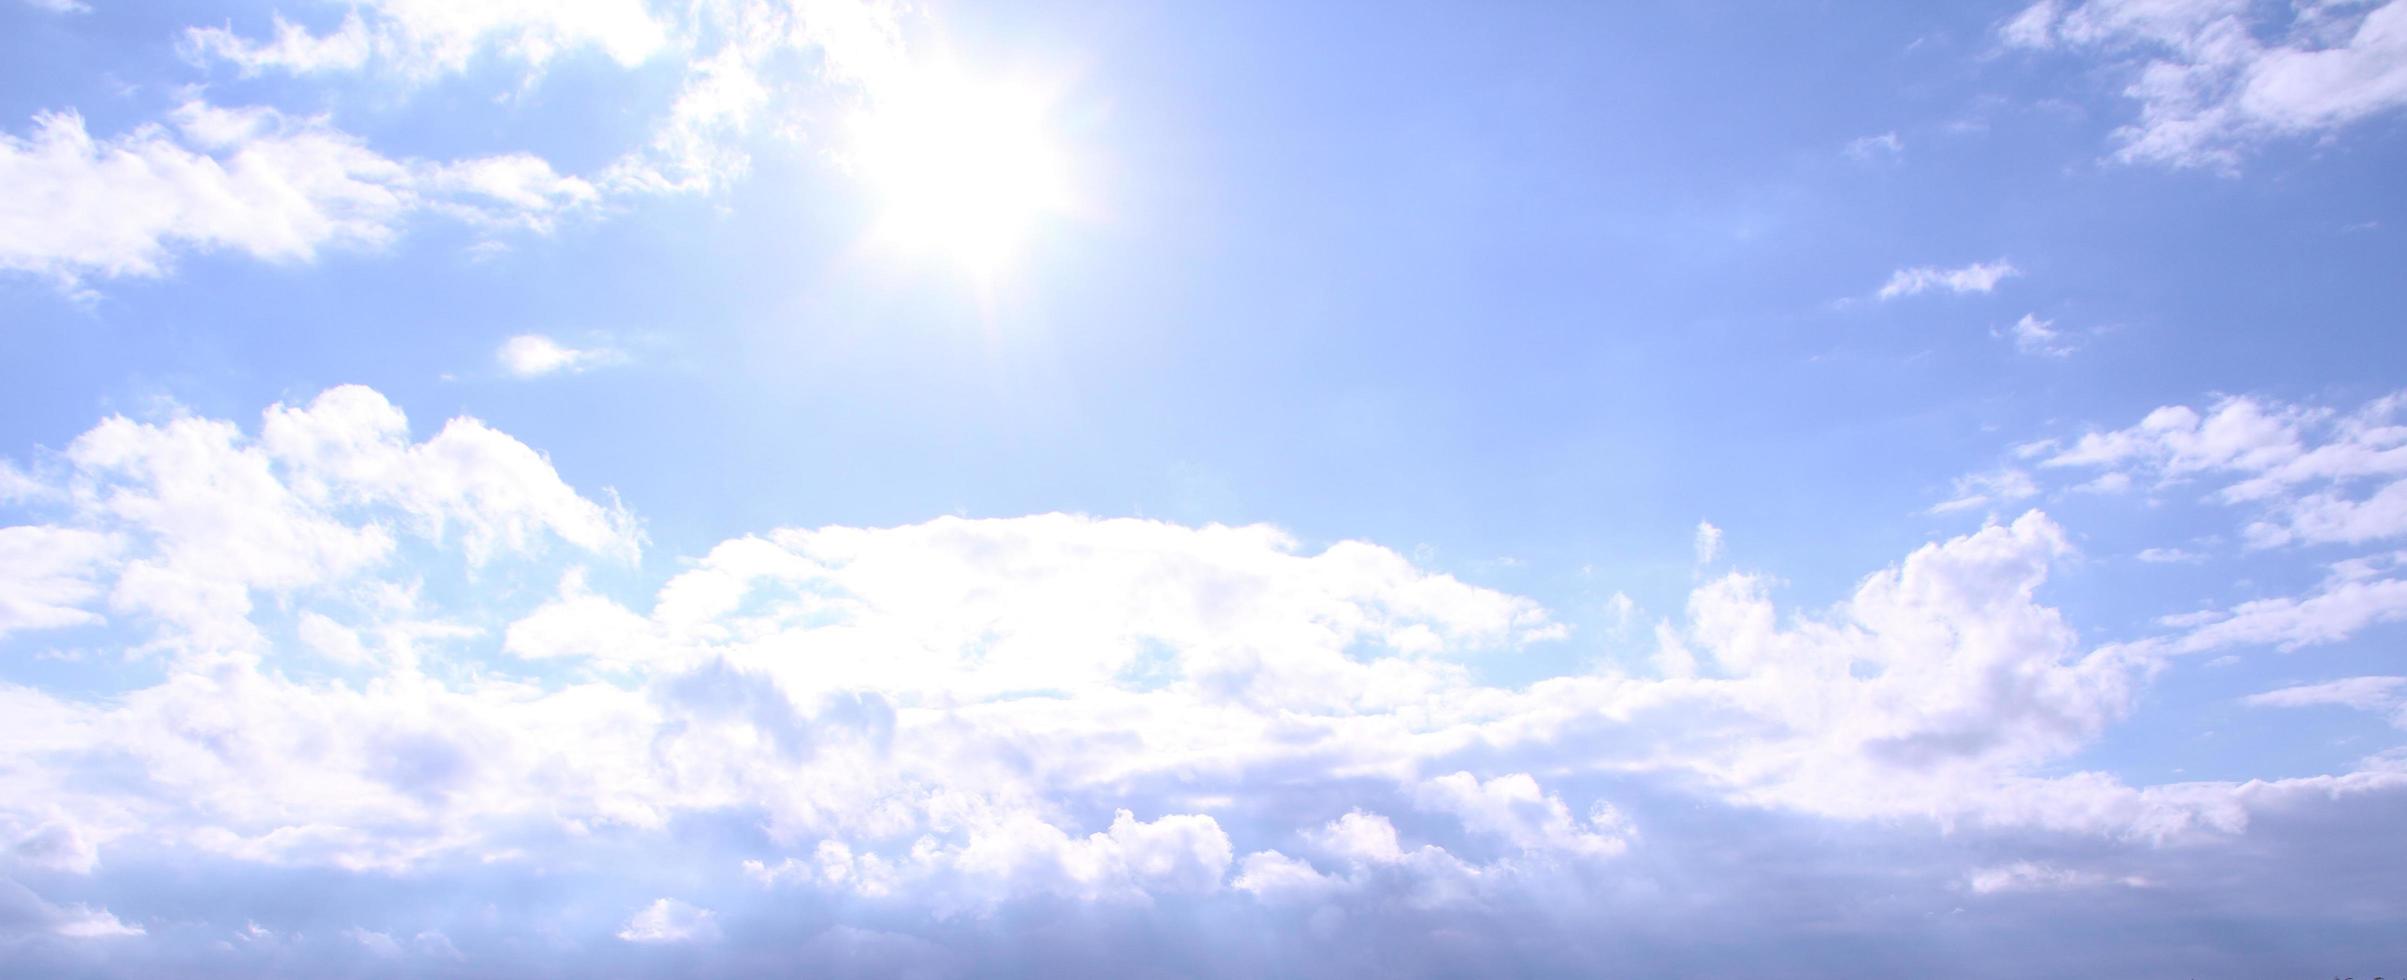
x=1979, y=277
x=1884, y=146
x=534, y=355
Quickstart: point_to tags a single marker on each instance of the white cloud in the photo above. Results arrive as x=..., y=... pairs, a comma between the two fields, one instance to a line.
x=2025, y=876
x=2361, y=693
x=1884, y=146
x=2215, y=78
x=2333, y=613
x=699, y=146
x=2169, y=556
x=185, y=521
x=668, y=920
x=1708, y=542
x=252, y=180
x=423, y=38
x=940, y=714
x=1360, y=838
x=2354, y=692
x=1272, y=876
x=48, y=576
x=57, y=846
x=535, y=355
x=1977, y=490
x=284, y=188
x=84, y=922
x=2033, y=335
x=2301, y=466
x=1979, y=277
x=1514, y=809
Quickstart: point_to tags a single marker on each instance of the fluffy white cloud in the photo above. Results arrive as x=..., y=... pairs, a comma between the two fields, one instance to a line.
x=1513, y=809
x=1979, y=277
x=668, y=920
x=186, y=521
x=961, y=715
x=1360, y=838
x=252, y=180
x=2301, y=466
x=2215, y=77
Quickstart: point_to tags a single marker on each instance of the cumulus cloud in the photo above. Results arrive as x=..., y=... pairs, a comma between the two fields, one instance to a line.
x=2290, y=475
x=1512, y=808
x=184, y=522
x=1979, y=277
x=2215, y=78
x=2303, y=469
x=670, y=921
x=1054, y=718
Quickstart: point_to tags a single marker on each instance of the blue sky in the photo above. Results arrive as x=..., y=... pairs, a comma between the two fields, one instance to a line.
x=758, y=486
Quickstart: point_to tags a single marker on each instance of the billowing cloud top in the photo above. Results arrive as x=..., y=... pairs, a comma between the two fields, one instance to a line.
x=364, y=654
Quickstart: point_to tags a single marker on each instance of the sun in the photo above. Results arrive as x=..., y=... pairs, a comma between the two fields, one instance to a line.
x=965, y=168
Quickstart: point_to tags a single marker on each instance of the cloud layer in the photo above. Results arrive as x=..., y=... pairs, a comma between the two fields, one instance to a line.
x=359, y=655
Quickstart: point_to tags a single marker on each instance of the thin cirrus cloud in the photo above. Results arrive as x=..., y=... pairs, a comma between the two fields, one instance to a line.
x=1978, y=277
x=1883, y=146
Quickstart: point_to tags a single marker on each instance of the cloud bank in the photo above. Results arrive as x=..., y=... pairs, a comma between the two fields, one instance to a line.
x=333, y=658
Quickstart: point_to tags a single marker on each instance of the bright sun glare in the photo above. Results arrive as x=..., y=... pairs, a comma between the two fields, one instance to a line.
x=965, y=167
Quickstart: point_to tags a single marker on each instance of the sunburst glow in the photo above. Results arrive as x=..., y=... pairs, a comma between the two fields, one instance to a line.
x=965, y=167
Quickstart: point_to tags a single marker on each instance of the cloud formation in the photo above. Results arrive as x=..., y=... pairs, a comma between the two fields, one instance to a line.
x=1979, y=277
x=250, y=180
x=378, y=655
x=534, y=355
x=2216, y=78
